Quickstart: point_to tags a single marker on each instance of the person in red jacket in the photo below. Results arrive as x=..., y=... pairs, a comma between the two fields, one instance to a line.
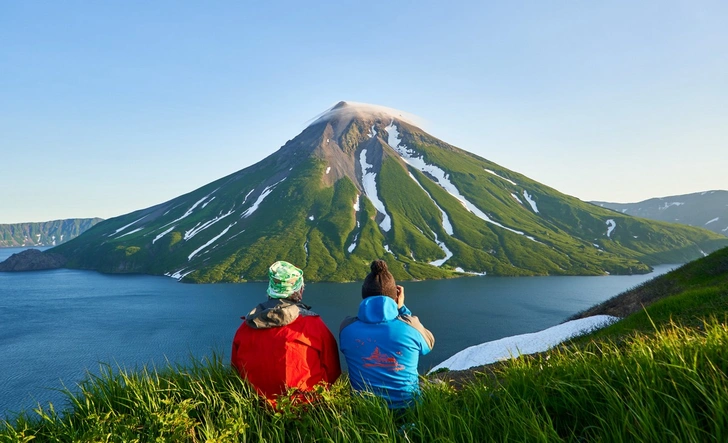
x=282, y=344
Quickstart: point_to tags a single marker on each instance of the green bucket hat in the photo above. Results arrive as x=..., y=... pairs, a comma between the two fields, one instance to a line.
x=284, y=279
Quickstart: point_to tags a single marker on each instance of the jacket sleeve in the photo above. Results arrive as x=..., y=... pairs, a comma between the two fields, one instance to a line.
x=329, y=354
x=425, y=338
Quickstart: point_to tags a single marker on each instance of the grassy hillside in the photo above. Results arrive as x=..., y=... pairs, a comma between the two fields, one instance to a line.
x=685, y=295
x=658, y=375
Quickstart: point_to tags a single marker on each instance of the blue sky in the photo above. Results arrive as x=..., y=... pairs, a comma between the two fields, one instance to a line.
x=108, y=107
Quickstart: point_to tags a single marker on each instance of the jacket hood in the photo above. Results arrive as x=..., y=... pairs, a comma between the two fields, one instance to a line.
x=377, y=309
x=275, y=313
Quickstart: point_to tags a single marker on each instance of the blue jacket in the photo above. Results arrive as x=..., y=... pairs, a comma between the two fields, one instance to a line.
x=382, y=346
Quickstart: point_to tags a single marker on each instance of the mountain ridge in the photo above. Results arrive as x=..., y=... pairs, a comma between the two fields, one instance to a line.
x=707, y=209
x=49, y=233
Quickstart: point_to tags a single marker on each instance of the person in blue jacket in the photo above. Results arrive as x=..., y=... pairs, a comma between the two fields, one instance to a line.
x=383, y=343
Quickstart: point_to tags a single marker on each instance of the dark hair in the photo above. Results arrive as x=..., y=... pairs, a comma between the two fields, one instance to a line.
x=379, y=281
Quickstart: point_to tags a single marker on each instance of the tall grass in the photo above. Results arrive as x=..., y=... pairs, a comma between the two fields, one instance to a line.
x=670, y=385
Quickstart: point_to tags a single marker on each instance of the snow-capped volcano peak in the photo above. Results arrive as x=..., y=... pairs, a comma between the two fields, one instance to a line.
x=345, y=111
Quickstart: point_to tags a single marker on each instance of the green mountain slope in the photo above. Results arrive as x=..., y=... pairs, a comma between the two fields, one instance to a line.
x=360, y=183
x=50, y=233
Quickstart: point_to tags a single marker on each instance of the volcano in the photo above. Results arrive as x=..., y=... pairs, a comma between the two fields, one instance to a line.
x=363, y=182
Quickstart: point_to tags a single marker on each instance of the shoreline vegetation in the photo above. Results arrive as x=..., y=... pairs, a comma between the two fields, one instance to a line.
x=660, y=374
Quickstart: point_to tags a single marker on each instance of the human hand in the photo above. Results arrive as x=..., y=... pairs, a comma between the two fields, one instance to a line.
x=400, y=296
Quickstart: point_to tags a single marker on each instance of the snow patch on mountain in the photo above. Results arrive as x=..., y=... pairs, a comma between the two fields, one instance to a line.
x=512, y=347
x=372, y=132
x=211, y=241
x=246, y=197
x=459, y=269
x=260, y=199
x=530, y=201
x=121, y=228
x=501, y=177
x=190, y=210
x=130, y=232
x=163, y=234
x=352, y=246
x=207, y=202
x=328, y=169
x=179, y=275
x=668, y=204
x=199, y=227
x=444, y=248
x=369, y=182
x=445, y=219
x=440, y=177
x=712, y=221
x=611, y=224
x=356, y=203
x=516, y=197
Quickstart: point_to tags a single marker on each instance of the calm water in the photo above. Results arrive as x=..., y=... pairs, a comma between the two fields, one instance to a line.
x=57, y=325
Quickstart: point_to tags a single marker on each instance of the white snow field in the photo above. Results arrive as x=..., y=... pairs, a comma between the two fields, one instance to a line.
x=130, y=232
x=179, y=275
x=190, y=210
x=121, y=228
x=211, y=241
x=356, y=203
x=530, y=201
x=260, y=199
x=199, y=227
x=444, y=248
x=611, y=224
x=369, y=182
x=352, y=246
x=510, y=347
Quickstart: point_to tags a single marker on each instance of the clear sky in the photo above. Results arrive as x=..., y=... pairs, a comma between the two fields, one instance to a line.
x=111, y=106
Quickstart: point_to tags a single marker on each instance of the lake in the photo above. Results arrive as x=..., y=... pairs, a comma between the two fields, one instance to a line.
x=57, y=325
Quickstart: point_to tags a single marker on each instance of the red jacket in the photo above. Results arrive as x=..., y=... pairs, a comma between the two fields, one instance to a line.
x=281, y=345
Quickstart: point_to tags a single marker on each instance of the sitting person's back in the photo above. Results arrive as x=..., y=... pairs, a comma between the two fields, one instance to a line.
x=282, y=344
x=382, y=344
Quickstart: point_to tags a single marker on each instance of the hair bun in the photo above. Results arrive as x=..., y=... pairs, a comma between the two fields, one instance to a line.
x=379, y=266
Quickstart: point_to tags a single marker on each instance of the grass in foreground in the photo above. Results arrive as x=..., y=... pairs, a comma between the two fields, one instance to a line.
x=667, y=386
x=659, y=375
